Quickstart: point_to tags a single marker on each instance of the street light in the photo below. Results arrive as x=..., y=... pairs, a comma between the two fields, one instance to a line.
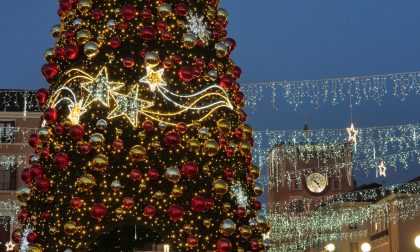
x=417, y=241
x=330, y=247
x=366, y=247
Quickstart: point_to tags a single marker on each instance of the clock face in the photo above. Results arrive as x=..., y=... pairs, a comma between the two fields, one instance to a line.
x=316, y=182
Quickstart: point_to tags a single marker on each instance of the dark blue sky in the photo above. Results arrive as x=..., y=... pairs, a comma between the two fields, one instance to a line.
x=277, y=40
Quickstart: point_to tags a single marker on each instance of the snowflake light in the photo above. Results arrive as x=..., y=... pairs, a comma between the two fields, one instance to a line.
x=24, y=244
x=239, y=194
x=197, y=26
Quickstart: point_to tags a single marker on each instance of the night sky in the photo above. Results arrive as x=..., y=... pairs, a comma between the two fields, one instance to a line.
x=277, y=40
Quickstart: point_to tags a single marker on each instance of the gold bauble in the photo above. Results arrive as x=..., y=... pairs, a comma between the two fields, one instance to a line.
x=228, y=227
x=173, y=174
x=267, y=244
x=224, y=126
x=49, y=54
x=159, y=194
x=23, y=193
x=91, y=49
x=223, y=14
x=86, y=182
x=142, y=186
x=71, y=14
x=221, y=50
x=189, y=41
x=255, y=171
x=253, y=224
x=211, y=75
x=116, y=185
x=194, y=144
x=44, y=133
x=101, y=124
x=70, y=228
x=83, y=36
x=118, y=132
x=100, y=39
x=50, y=199
x=56, y=31
x=240, y=249
x=258, y=189
x=211, y=147
x=164, y=10
x=263, y=224
x=162, y=125
x=247, y=131
x=211, y=14
x=226, y=207
x=35, y=248
x=119, y=212
x=203, y=133
x=245, y=147
x=245, y=231
x=53, y=230
x=84, y=6
x=220, y=186
x=207, y=223
x=77, y=23
x=142, y=135
x=137, y=153
x=152, y=59
x=97, y=140
x=99, y=163
x=177, y=191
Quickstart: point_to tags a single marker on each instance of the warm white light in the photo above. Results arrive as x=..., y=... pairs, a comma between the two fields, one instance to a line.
x=166, y=248
x=366, y=247
x=417, y=241
x=330, y=247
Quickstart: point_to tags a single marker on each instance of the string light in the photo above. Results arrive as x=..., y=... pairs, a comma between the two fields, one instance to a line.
x=197, y=26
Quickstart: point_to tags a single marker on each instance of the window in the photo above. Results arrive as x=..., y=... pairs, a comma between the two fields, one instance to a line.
x=297, y=205
x=297, y=185
x=7, y=179
x=354, y=247
x=336, y=183
x=353, y=226
x=7, y=132
x=4, y=231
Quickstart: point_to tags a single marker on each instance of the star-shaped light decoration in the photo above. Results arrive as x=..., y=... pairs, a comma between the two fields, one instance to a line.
x=154, y=78
x=239, y=194
x=10, y=246
x=129, y=105
x=100, y=88
x=76, y=111
x=352, y=134
x=198, y=27
x=382, y=169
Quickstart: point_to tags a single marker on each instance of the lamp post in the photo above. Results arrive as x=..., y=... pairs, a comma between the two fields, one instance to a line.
x=417, y=241
x=366, y=247
x=330, y=247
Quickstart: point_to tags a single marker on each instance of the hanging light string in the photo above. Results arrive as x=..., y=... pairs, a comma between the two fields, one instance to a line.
x=18, y=100
x=335, y=90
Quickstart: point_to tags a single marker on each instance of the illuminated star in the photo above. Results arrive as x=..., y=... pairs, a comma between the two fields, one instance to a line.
x=9, y=246
x=382, y=169
x=129, y=105
x=76, y=111
x=100, y=88
x=154, y=78
x=352, y=133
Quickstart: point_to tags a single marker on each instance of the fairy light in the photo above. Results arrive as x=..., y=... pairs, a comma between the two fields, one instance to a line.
x=197, y=26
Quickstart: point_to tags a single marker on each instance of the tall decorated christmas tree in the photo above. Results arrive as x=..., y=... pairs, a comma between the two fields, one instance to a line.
x=143, y=137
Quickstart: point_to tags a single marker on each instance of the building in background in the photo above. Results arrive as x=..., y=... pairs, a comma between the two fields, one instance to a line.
x=19, y=116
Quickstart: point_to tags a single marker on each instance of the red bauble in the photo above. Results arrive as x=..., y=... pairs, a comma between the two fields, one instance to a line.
x=33, y=140
x=32, y=237
x=209, y=204
x=146, y=14
x=200, y=62
x=71, y=51
x=135, y=175
x=51, y=115
x=123, y=26
x=42, y=96
x=197, y=72
x=59, y=129
x=61, y=160
x=223, y=140
x=76, y=203
x=192, y=241
x=229, y=174
x=181, y=10
x=175, y=212
x=70, y=35
x=254, y=244
x=149, y=211
x=43, y=184
x=224, y=245
x=85, y=148
x=128, y=202
x=115, y=43
x=36, y=171
x=148, y=126
x=257, y=205
x=238, y=132
x=230, y=151
x=167, y=63
x=239, y=98
x=198, y=204
x=98, y=211
x=128, y=12
x=45, y=153
x=190, y=169
x=59, y=53
x=227, y=82
x=77, y=132
x=186, y=73
x=172, y=139
x=23, y=216
x=153, y=174
x=46, y=215
x=232, y=43
x=128, y=62
x=117, y=145
x=166, y=36
x=181, y=127
x=177, y=59
x=66, y=6
x=148, y=33
x=97, y=14
x=25, y=175
x=244, y=116
x=236, y=72
x=17, y=235
x=241, y=212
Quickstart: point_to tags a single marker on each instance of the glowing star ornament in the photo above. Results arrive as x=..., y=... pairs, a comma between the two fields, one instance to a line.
x=76, y=108
x=99, y=88
x=382, y=169
x=76, y=111
x=129, y=106
x=10, y=246
x=197, y=26
x=352, y=134
x=154, y=78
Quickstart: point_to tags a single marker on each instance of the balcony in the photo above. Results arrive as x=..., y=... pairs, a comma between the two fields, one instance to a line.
x=379, y=235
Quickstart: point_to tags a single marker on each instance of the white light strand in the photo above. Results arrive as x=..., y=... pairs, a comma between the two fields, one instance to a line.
x=197, y=26
x=239, y=194
x=10, y=135
x=18, y=101
x=24, y=244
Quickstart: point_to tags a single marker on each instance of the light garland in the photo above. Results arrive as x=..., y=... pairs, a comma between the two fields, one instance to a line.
x=11, y=134
x=18, y=100
x=10, y=162
x=336, y=90
x=8, y=212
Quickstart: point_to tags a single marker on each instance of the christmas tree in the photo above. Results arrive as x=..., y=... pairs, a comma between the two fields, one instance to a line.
x=143, y=137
